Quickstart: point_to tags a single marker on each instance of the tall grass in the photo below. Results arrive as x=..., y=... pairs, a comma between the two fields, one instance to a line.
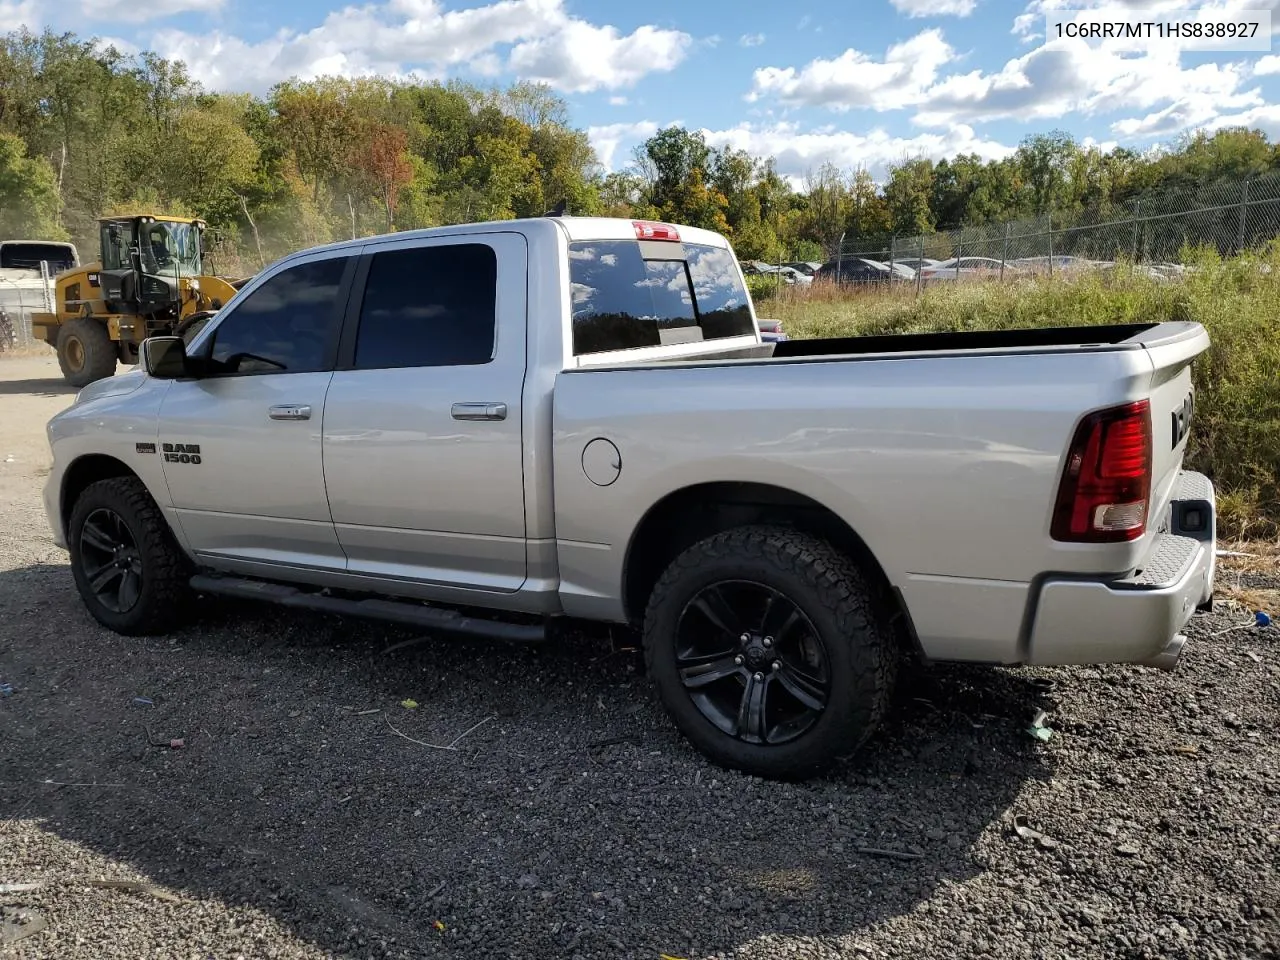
x=1235, y=438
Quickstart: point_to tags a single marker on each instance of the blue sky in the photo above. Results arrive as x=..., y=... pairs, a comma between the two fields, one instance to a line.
x=860, y=83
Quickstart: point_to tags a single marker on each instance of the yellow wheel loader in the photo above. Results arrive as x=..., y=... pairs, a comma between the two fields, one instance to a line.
x=149, y=281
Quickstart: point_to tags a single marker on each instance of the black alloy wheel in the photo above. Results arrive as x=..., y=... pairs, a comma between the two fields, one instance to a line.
x=110, y=560
x=752, y=662
x=129, y=570
x=770, y=650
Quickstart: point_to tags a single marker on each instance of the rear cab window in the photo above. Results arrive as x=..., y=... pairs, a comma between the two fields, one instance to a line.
x=632, y=294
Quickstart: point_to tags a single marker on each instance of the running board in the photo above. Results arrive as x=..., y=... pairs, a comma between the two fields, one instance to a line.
x=388, y=611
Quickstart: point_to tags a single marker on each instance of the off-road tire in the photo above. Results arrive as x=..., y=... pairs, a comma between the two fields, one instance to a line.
x=165, y=569
x=85, y=340
x=832, y=592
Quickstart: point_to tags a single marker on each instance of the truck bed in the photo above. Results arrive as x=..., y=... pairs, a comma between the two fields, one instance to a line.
x=1028, y=340
x=1129, y=335
x=943, y=452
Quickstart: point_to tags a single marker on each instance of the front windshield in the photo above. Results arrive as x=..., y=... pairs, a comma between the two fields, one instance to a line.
x=170, y=249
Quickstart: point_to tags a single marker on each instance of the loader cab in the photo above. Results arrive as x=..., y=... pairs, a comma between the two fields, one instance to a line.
x=144, y=260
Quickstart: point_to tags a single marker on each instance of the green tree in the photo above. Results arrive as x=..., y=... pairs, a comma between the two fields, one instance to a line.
x=1045, y=161
x=907, y=194
x=28, y=193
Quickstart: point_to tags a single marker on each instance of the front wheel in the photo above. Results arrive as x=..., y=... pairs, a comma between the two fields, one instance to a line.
x=769, y=651
x=129, y=570
x=85, y=351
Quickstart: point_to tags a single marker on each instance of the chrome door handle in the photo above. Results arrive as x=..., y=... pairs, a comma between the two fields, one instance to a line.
x=479, y=411
x=290, y=411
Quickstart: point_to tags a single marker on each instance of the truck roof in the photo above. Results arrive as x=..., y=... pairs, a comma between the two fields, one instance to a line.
x=575, y=228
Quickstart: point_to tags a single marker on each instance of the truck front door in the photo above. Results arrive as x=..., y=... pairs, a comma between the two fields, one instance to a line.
x=423, y=457
x=241, y=444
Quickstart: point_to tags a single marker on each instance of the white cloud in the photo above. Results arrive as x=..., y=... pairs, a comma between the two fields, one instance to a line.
x=855, y=79
x=1266, y=118
x=580, y=57
x=487, y=65
x=797, y=152
x=1069, y=77
x=1265, y=66
x=21, y=13
x=618, y=101
x=130, y=11
x=419, y=38
x=607, y=139
x=103, y=44
x=935, y=8
x=751, y=39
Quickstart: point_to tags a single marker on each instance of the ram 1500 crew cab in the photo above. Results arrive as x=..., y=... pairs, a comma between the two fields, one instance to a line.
x=489, y=427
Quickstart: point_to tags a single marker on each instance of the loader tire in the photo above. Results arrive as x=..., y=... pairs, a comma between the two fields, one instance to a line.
x=85, y=351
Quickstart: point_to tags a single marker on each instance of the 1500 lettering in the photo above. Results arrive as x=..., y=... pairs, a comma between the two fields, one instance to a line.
x=181, y=452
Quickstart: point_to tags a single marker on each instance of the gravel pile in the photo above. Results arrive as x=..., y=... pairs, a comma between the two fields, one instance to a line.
x=298, y=817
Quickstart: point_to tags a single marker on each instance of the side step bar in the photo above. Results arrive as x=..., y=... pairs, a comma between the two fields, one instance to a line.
x=388, y=611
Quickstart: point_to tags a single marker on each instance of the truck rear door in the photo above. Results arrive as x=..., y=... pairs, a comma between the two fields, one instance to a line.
x=423, y=456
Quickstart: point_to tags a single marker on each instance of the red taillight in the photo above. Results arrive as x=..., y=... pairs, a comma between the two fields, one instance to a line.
x=1103, y=496
x=647, y=230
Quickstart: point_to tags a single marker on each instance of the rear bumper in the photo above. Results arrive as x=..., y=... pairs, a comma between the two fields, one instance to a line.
x=1136, y=619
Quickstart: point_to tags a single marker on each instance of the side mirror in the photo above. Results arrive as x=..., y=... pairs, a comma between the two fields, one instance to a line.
x=164, y=358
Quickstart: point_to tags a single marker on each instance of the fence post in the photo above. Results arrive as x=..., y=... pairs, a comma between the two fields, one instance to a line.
x=920, y=267
x=840, y=257
x=893, y=252
x=1050, y=221
x=1004, y=252
x=1137, y=230
x=1244, y=208
x=959, y=253
x=44, y=286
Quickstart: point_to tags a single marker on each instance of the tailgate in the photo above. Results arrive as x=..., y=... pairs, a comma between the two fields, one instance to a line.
x=1172, y=348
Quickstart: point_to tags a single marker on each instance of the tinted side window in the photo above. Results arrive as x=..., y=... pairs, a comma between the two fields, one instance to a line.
x=429, y=307
x=284, y=326
x=622, y=301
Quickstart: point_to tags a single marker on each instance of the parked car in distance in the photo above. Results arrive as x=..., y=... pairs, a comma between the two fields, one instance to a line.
x=967, y=268
x=808, y=268
x=858, y=270
x=497, y=428
x=786, y=273
x=916, y=263
x=771, y=330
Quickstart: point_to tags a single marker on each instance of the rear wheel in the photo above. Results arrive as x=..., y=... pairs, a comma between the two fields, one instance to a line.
x=129, y=570
x=769, y=652
x=85, y=351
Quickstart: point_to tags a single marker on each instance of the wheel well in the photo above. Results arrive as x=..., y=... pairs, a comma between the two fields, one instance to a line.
x=82, y=472
x=683, y=518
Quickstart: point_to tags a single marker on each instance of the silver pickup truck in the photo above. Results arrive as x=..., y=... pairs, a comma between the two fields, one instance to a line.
x=494, y=428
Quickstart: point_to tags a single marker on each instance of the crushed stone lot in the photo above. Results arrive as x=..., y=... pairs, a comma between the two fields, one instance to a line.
x=307, y=813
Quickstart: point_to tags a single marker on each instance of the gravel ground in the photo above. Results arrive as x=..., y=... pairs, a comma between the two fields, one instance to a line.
x=295, y=822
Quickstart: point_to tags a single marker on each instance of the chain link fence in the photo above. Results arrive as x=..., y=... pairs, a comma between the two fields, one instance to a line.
x=22, y=293
x=1149, y=231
